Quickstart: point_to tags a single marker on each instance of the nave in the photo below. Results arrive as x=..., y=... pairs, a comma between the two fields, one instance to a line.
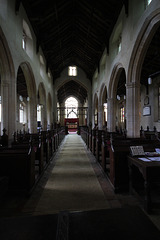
x=74, y=184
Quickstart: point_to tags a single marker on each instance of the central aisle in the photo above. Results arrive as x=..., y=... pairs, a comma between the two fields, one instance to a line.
x=72, y=184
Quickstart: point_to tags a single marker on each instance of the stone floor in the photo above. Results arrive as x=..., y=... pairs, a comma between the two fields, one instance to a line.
x=72, y=181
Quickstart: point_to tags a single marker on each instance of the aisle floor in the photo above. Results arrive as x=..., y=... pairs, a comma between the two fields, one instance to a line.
x=74, y=182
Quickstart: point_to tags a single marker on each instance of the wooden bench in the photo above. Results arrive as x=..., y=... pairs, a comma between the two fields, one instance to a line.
x=19, y=166
x=118, y=153
x=35, y=141
x=94, y=141
x=98, y=145
x=84, y=134
x=107, y=138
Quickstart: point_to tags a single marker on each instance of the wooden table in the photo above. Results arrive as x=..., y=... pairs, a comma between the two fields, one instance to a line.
x=149, y=171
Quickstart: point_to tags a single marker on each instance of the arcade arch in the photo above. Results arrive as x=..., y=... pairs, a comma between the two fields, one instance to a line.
x=26, y=98
x=142, y=44
x=102, y=108
x=117, y=99
x=41, y=107
x=95, y=111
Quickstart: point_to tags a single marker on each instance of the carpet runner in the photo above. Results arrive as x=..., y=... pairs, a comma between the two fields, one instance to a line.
x=73, y=184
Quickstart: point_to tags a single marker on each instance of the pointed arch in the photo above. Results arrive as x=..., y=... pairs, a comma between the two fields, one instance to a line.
x=95, y=110
x=29, y=77
x=102, y=108
x=42, y=105
x=29, y=81
x=116, y=72
x=142, y=43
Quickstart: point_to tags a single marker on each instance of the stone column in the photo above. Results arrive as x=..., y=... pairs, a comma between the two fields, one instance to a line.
x=111, y=114
x=44, y=114
x=89, y=111
x=8, y=99
x=32, y=115
x=132, y=109
x=62, y=114
x=100, y=117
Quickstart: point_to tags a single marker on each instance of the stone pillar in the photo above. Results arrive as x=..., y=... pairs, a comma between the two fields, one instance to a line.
x=111, y=114
x=8, y=99
x=32, y=115
x=80, y=115
x=100, y=117
x=132, y=109
x=89, y=111
x=62, y=114
x=44, y=118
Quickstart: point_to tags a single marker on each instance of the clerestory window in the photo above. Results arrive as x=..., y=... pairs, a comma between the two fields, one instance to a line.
x=72, y=71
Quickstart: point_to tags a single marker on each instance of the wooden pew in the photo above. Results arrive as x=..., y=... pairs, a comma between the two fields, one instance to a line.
x=98, y=145
x=90, y=139
x=84, y=134
x=149, y=134
x=39, y=158
x=120, y=149
x=35, y=141
x=107, y=138
x=106, y=144
x=94, y=141
x=19, y=166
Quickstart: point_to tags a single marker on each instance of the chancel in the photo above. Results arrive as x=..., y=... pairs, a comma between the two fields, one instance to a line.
x=79, y=119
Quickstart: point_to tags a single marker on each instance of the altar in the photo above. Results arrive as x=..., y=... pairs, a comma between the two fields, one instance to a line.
x=72, y=123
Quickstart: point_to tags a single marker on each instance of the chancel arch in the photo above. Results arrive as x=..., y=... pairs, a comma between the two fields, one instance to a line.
x=143, y=48
x=72, y=88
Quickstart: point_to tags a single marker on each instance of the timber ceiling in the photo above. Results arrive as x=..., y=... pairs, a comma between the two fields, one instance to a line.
x=72, y=32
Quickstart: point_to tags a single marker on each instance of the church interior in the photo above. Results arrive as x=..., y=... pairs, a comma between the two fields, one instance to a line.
x=79, y=119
